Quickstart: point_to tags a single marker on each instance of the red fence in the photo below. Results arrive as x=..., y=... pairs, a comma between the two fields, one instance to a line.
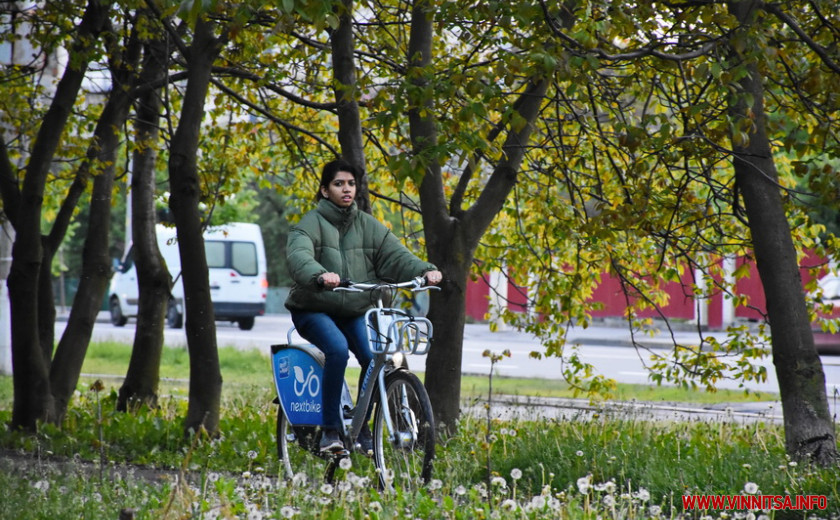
x=682, y=304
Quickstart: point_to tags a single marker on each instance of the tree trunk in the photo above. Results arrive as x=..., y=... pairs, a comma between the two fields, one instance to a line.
x=96, y=262
x=809, y=428
x=33, y=398
x=452, y=234
x=448, y=314
x=346, y=96
x=153, y=279
x=205, y=374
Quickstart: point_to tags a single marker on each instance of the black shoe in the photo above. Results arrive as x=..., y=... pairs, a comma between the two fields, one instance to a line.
x=330, y=441
x=365, y=441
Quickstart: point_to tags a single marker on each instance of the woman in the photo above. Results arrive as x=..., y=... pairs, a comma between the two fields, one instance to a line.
x=336, y=241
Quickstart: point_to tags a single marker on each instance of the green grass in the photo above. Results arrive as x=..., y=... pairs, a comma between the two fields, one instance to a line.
x=252, y=368
x=583, y=468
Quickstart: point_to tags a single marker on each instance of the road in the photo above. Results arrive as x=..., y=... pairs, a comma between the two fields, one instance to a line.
x=608, y=349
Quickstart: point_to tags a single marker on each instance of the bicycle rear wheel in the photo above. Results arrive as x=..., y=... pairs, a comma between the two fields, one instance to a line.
x=297, y=448
x=403, y=456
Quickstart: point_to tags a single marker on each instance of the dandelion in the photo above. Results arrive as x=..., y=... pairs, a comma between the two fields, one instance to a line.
x=42, y=485
x=288, y=511
x=751, y=488
x=516, y=473
x=326, y=488
x=345, y=463
x=246, y=474
x=792, y=464
x=375, y=507
x=643, y=495
x=388, y=475
x=252, y=454
x=344, y=486
x=583, y=484
x=509, y=505
x=299, y=479
x=763, y=517
x=538, y=502
x=435, y=484
x=655, y=510
x=512, y=432
x=579, y=453
x=746, y=465
x=608, y=500
x=460, y=491
x=498, y=482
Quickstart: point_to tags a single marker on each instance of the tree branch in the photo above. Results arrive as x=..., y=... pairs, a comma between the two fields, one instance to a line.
x=790, y=22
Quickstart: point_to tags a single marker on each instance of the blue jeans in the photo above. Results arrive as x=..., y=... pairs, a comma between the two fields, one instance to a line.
x=336, y=338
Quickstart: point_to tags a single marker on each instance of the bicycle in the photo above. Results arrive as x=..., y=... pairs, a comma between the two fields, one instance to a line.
x=403, y=422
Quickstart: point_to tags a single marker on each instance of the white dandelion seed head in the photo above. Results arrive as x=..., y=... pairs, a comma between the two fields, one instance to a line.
x=327, y=488
x=344, y=486
x=299, y=479
x=655, y=511
x=246, y=474
x=42, y=485
x=509, y=505
x=643, y=494
x=345, y=463
x=746, y=465
x=288, y=511
x=608, y=500
x=579, y=453
x=498, y=482
x=538, y=502
x=435, y=484
x=516, y=473
x=388, y=475
x=792, y=464
x=375, y=507
x=751, y=488
x=583, y=484
x=460, y=491
x=252, y=454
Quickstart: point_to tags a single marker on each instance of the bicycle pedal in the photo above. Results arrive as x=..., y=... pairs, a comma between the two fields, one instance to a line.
x=338, y=453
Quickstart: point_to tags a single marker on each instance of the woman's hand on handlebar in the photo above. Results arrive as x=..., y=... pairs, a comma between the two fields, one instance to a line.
x=329, y=280
x=433, y=277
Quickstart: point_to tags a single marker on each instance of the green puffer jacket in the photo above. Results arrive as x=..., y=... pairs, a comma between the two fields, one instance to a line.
x=352, y=244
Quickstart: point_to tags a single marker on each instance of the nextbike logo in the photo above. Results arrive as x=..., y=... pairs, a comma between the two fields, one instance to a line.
x=310, y=382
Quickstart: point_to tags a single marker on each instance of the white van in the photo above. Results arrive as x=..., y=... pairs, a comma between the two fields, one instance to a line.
x=237, y=274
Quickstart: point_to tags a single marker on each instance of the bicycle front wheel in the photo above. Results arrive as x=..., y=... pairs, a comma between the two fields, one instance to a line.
x=404, y=439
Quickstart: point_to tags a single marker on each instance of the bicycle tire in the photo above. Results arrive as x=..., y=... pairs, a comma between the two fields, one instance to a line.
x=297, y=448
x=405, y=462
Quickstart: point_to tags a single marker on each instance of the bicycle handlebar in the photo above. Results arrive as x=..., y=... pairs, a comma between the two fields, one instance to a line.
x=416, y=285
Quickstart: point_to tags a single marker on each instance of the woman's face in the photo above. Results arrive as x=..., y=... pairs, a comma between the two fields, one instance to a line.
x=341, y=190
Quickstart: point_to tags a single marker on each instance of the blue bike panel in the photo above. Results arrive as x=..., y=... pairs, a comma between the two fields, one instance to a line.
x=298, y=377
